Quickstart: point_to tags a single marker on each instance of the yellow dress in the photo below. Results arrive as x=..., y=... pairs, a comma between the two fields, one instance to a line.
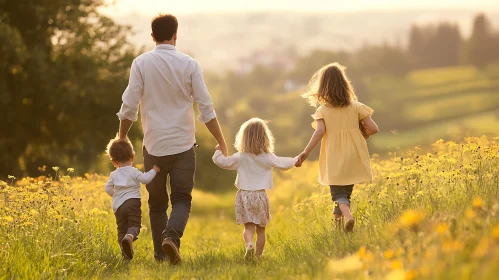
x=344, y=157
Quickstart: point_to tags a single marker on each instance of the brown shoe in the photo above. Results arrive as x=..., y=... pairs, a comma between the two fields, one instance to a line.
x=349, y=225
x=171, y=250
x=126, y=246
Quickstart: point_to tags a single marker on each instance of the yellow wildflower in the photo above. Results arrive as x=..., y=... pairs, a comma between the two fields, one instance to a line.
x=478, y=203
x=411, y=274
x=495, y=232
x=411, y=218
x=470, y=214
x=442, y=229
x=396, y=264
x=94, y=211
x=347, y=264
x=8, y=219
x=397, y=274
x=389, y=254
x=362, y=252
x=34, y=212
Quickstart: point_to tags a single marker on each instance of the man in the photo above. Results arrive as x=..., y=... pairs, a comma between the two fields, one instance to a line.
x=166, y=83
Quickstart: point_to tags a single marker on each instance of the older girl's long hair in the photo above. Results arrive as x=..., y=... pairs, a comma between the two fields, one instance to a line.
x=254, y=137
x=330, y=85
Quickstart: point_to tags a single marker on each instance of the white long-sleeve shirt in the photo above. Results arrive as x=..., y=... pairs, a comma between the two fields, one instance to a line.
x=166, y=83
x=254, y=172
x=124, y=183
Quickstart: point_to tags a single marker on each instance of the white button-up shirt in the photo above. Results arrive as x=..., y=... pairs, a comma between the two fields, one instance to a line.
x=254, y=172
x=166, y=83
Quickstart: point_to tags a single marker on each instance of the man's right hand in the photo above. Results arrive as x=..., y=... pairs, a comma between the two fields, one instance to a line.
x=222, y=148
x=215, y=130
x=124, y=128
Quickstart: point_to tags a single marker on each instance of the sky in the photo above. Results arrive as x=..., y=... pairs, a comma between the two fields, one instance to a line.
x=148, y=7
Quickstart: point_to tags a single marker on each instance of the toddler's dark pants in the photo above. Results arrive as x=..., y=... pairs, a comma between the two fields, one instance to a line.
x=128, y=218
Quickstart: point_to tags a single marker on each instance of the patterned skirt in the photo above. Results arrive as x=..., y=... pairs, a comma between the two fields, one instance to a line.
x=252, y=207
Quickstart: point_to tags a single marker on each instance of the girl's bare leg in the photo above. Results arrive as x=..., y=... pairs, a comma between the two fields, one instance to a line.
x=345, y=210
x=260, y=240
x=249, y=232
x=349, y=223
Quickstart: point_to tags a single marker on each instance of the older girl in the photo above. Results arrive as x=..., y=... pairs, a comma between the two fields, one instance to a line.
x=343, y=124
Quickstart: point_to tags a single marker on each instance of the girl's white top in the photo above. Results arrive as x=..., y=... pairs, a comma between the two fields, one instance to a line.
x=124, y=183
x=254, y=172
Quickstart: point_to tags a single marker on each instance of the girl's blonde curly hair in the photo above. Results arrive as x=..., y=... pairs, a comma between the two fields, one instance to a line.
x=254, y=137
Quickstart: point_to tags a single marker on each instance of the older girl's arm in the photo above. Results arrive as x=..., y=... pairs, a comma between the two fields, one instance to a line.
x=320, y=130
x=370, y=127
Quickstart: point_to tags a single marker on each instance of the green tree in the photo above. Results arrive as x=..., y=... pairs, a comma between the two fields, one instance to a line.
x=483, y=45
x=434, y=45
x=63, y=67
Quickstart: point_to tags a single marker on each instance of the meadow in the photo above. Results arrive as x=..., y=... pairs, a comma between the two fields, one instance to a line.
x=430, y=214
x=430, y=104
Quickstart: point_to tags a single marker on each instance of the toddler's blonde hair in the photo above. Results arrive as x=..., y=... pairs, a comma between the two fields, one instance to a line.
x=254, y=137
x=330, y=85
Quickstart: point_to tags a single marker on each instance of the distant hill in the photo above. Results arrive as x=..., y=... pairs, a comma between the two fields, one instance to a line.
x=432, y=104
x=218, y=41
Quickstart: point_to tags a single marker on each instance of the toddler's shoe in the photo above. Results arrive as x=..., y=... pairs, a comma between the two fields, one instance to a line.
x=250, y=252
x=349, y=225
x=126, y=246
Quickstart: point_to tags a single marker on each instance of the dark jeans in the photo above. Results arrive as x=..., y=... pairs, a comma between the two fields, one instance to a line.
x=180, y=169
x=128, y=218
x=340, y=195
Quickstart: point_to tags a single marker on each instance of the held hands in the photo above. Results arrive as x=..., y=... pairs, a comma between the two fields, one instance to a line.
x=222, y=149
x=301, y=158
x=156, y=168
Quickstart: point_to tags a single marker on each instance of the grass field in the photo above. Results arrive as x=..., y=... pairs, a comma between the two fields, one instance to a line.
x=431, y=104
x=427, y=216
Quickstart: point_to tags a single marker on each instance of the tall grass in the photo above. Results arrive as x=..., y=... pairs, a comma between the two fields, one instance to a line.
x=426, y=216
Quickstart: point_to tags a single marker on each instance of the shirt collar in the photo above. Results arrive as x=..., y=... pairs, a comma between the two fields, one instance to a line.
x=165, y=47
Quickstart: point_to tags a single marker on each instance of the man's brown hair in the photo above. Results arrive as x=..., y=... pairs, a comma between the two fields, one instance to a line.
x=163, y=27
x=120, y=150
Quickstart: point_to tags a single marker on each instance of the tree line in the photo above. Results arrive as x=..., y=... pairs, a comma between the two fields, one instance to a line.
x=64, y=66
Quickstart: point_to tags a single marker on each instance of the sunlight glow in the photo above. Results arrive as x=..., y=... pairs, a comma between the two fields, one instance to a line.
x=202, y=6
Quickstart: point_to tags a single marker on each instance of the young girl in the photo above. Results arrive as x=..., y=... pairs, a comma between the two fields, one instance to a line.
x=124, y=186
x=343, y=124
x=254, y=162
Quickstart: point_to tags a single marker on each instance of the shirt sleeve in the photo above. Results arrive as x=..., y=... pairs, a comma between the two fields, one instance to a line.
x=283, y=163
x=110, y=186
x=132, y=95
x=317, y=116
x=230, y=162
x=201, y=96
x=364, y=111
x=146, y=178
